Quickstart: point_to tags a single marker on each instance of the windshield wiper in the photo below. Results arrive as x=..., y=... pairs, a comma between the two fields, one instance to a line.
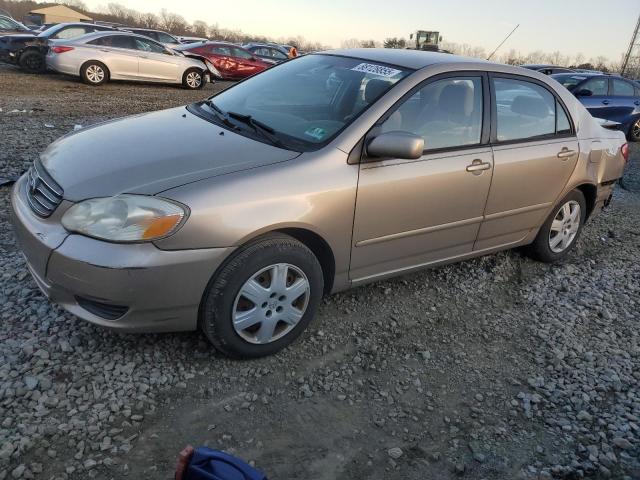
x=224, y=117
x=258, y=126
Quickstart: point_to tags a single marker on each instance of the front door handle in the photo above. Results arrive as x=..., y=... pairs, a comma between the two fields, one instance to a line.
x=477, y=166
x=606, y=102
x=566, y=153
x=637, y=102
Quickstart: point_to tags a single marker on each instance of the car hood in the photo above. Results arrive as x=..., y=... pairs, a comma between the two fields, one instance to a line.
x=150, y=153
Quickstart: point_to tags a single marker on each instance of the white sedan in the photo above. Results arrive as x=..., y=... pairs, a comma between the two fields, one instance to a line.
x=100, y=57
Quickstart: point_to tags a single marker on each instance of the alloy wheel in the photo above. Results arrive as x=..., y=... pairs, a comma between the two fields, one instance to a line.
x=95, y=73
x=565, y=226
x=271, y=303
x=194, y=79
x=636, y=129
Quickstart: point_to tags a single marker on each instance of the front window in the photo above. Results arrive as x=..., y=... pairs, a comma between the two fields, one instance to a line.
x=447, y=113
x=240, y=53
x=306, y=102
x=145, y=45
x=569, y=81
x=165, y=38
x=622, y=88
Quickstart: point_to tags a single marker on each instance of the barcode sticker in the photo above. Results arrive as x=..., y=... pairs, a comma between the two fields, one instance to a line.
x=376, y=70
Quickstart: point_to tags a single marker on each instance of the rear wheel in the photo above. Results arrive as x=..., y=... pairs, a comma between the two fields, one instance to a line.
x=263, y=298
x=634, y=132
x=561, y=230
x=193, y=79
x=32, y=61
x=94, y=73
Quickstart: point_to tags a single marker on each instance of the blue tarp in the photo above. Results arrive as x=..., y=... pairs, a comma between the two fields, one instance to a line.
x=208, y=464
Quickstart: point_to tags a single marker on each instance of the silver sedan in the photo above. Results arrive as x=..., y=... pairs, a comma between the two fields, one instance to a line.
x=100, y=57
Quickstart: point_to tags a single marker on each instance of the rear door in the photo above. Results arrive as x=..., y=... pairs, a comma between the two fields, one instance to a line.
x=155, y=62
x=119, y=54
x=535, y=151
x=625, y=105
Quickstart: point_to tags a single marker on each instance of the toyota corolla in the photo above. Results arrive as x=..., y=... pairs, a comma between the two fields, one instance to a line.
x=234, y=215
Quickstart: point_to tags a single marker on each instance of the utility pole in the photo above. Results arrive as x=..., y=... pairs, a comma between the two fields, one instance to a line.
x=631, y=62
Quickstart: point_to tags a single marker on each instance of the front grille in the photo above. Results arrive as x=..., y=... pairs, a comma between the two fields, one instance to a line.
x=104, y=310
x=43, y=193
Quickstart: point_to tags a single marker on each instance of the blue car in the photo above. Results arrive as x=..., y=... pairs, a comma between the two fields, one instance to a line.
x=607, y=96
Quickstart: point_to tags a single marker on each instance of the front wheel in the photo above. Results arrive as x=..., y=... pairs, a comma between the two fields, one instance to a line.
x=193, y=79
x=33, y=61
x=263, y=298
x=634, y=131
x=560, y=232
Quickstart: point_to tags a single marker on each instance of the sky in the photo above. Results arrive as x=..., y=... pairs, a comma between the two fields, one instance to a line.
x=590, y=27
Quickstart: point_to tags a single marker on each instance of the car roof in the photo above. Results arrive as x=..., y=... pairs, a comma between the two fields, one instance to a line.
x=91, y=36
x=413, y=59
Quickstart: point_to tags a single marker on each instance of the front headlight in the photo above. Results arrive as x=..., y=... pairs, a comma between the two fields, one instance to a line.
x=212, y=68
x=125, y=218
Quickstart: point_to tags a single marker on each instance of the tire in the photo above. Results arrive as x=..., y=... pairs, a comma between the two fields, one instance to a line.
x=561, y=231
x=33, y=61
x=270, y=322
x=633, y=135
x=94, y=73
x=193, y=79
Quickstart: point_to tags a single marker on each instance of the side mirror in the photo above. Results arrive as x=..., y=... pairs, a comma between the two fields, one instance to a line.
x=584, y=93
x=396, y=145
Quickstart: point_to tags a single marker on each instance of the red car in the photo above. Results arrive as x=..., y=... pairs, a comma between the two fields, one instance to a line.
x=231, y=62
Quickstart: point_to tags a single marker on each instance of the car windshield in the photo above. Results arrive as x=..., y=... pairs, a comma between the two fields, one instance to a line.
x=308, y=101
x=10, y=24
x=568, y=80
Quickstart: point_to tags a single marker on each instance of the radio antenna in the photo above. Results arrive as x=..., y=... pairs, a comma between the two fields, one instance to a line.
x=502, y=43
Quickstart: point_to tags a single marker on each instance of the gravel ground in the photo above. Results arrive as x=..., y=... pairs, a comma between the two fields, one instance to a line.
x=495, y=368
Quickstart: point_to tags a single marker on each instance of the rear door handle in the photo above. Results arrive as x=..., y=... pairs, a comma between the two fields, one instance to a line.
x=478, y=166
x=606, y=102
x=637, y=102
x=566, y=153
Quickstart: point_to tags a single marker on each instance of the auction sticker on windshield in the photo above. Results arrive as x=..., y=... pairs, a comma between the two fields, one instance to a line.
x=376, y=70
x=317, y=133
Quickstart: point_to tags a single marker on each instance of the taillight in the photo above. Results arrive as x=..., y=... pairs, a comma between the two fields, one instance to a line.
x=60, y=49
x=624, y=150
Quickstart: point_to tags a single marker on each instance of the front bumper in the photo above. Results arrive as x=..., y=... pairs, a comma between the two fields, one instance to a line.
x=7, y=56
x=160, y=290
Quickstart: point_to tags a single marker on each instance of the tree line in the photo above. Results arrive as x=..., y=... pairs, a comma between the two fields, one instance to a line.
x=178, y=25
x=168, y=21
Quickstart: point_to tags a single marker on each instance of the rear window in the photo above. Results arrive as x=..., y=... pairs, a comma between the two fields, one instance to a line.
x=526, y=110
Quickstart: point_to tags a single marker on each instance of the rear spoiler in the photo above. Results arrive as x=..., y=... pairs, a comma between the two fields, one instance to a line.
x=604, y=123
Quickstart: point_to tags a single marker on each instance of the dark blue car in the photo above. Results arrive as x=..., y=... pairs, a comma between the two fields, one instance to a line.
x=609, y=97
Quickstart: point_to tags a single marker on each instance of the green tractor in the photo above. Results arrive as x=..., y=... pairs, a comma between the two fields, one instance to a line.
x=427, y=40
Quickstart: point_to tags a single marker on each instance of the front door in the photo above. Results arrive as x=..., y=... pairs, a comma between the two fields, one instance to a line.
x=535, y=151
x=410, y=213
x=247, y=64
x=598, y=102
x=154, y=63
